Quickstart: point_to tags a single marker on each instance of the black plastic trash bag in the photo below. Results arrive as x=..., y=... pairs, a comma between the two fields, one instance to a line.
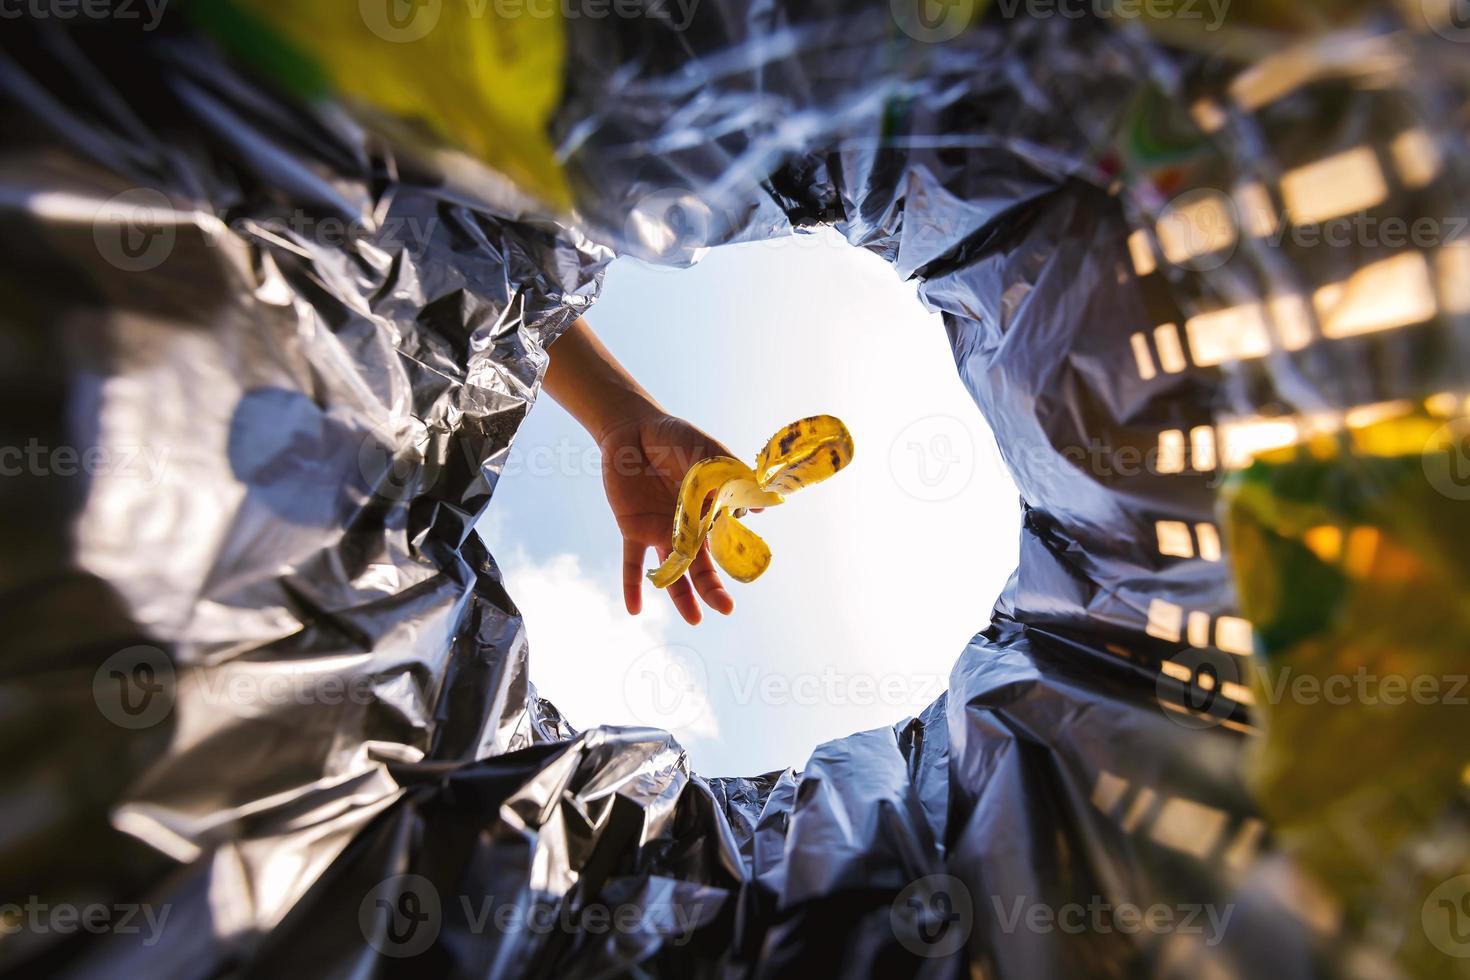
x=279, y=282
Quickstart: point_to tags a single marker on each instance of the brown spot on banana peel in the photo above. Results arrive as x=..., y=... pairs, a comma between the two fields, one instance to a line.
x=812, y=449
x=787, y=440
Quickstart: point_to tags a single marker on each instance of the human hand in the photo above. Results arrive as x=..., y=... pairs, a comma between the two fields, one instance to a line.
x=644, y=459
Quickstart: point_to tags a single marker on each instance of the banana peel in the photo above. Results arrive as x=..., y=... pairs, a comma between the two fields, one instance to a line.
x=805, y=452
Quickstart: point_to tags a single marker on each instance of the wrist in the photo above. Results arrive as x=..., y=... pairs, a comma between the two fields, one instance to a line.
x=618, y=411
x=590, y=384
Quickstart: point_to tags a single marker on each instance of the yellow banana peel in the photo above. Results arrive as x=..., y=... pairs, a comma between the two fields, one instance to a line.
x=805, y=452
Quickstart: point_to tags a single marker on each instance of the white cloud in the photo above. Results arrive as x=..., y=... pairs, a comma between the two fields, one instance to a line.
x=596, y=663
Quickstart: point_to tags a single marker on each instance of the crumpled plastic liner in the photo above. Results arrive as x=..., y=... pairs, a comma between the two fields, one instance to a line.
x=297, y=356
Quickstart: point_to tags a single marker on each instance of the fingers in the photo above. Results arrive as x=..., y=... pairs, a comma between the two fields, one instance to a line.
x=681, y=593
x=707, y=583
x=633, y=576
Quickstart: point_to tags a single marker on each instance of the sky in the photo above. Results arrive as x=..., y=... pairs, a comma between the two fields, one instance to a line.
x=879, y=576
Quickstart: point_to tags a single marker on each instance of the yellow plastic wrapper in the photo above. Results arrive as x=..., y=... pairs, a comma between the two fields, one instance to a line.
x=1336, y=538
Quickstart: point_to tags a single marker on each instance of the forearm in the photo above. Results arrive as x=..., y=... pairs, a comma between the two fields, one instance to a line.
x=588, y=382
